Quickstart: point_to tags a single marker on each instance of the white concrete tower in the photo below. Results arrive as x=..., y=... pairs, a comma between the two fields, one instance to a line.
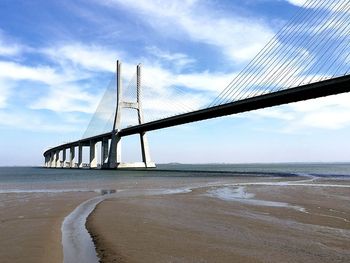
x=114, y=158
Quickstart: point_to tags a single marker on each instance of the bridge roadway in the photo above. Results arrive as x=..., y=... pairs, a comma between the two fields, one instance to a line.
x=304, y=92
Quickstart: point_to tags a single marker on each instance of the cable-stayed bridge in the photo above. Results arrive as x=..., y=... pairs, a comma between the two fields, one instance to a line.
x=308, y=58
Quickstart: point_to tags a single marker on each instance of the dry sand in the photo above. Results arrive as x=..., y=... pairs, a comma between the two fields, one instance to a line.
x=195, y=227
x=30, y=225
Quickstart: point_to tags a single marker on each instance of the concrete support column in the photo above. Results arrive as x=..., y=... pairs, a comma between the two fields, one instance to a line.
x=57, y=158
x=52, y=154
x=93, y=159
x=104, y=152
x=72, y=157
x=115, y=152
x=46, y=160
x=80, y=155
x=115, y=148
x=146, y=156
x=64, y=157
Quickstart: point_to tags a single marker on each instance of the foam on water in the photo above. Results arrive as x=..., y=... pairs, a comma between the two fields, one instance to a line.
x=171, y=191
x=239, y=194
x=230, y=193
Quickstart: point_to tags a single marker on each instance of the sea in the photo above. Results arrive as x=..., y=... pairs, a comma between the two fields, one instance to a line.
x=26, y=178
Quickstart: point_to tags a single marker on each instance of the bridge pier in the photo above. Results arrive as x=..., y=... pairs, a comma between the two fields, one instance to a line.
x=115, y=160
x=64, y=156
x=146, y=156
x=72, y=157
x=93, y=159
x=80, y=156
x=47, y=160
x=114, y=157
x=104, y=152
x=51, y=159
x=57, y=157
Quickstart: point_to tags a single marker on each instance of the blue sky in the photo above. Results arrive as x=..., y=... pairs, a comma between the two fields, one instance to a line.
x=58, y=57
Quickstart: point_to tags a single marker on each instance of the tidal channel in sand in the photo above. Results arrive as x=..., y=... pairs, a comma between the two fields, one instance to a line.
x=30, y=225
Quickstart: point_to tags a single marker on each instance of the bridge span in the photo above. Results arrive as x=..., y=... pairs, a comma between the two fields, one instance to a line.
x=307, y=59
x=305, y=92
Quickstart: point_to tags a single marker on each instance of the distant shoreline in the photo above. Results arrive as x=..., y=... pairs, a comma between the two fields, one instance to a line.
x=216, y=163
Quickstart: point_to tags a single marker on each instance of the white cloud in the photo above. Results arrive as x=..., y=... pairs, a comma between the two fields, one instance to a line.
x=67, y=98
x=279, y=113
x=5, y=91
x=297, y=2
x=231, y=34
x=332, y=112
x=330, y=5
x=266, y=76
x=180, y=60
x=90, y=57
x=204, y=81
x=161, y=80
x=63, y=95
x=26, y=120
x=73, y=60
x=15, y=71
x=9, y=48
x=160, y=96
x=326, y=119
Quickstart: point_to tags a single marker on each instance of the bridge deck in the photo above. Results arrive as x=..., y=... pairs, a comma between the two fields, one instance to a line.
x=305, y=92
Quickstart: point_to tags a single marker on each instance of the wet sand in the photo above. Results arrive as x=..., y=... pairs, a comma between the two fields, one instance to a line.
x=185, y=219
x=269, y=223
x=31, y=214
x=30, y=225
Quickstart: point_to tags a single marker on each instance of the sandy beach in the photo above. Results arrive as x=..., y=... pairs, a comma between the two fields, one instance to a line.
x=175, y=217
x=30, y=225
x=268, y=223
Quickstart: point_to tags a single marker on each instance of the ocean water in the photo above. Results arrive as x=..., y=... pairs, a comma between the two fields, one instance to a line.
x=39, y=174
x=42, y=178
x=316, y=169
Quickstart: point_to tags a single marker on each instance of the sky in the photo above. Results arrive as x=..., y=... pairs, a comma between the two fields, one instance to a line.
x=58, y=57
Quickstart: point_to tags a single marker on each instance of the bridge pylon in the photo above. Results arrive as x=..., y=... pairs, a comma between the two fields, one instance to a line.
x=114, y=156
